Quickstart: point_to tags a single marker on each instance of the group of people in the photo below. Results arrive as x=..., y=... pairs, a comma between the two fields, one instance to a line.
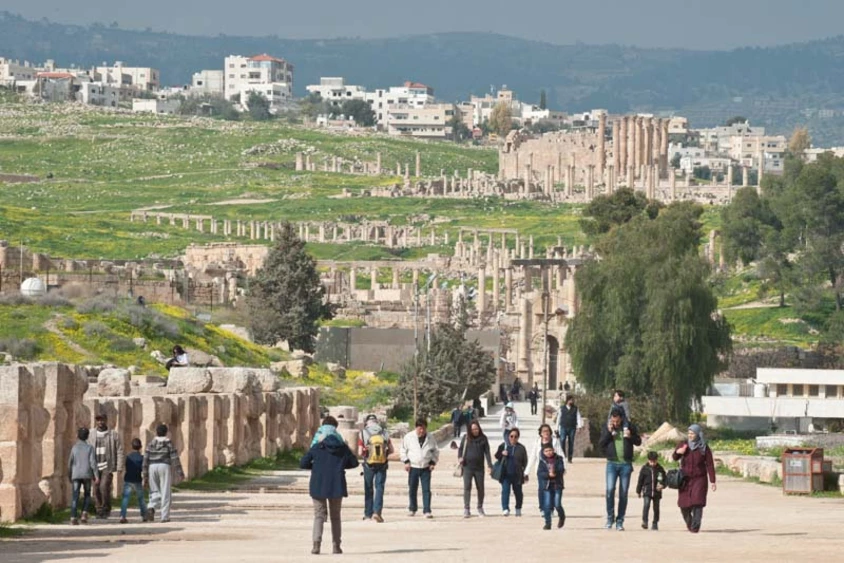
x=98, y=456
x=511, y=465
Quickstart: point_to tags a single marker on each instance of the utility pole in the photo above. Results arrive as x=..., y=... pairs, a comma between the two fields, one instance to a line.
x=416, y=353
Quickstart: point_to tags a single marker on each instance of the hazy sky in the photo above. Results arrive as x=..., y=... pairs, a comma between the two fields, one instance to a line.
x=697, y=24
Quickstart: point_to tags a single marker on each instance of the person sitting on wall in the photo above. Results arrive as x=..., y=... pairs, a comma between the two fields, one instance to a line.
x=179, y=359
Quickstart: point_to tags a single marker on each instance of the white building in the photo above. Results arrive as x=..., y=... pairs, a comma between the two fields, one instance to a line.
x=410, y=95
x=14, y=71
x=98, y=94
x=719, y=139
x=128, y=78
x=751, y=150
x=208, y=83
x=714, y=163
x=430, y=121
x=788, y=399
x=335, y=91
x=156, y=105
x=811, y=155
x=269, y=76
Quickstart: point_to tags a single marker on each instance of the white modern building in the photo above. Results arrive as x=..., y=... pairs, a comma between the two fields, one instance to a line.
x=766, y=149
x=156, y=105
x=269, y=76
x=430, y=121
x=128, y=78
x=335, y=91
x=786, y=399
x=98, y=94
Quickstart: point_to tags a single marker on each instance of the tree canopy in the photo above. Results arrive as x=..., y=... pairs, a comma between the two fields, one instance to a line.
x=501, y=119
x=607, y=211
x=286, y=300
x=360, y=111
x=259, y=107
x=647, y=320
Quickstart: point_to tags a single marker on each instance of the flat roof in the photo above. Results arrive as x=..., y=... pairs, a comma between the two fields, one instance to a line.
x=800, y=376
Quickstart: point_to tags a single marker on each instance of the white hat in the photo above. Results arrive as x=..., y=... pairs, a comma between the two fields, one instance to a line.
x=508, y=405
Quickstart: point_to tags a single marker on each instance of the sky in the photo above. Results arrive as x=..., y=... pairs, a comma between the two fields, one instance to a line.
x=693, y=24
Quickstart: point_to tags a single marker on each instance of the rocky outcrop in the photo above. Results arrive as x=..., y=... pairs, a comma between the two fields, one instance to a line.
x=113, y=382
x=188, y=380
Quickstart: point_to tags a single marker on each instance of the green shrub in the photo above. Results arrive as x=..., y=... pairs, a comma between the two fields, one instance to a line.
x=96, y=329
x=14, y=299
x=121, y=344
x=53, y=299
x=20, y=348
x=98, y=304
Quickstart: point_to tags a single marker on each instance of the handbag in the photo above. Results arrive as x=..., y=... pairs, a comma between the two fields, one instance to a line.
x=458, y=467
x=498, y=468
x=674, y=478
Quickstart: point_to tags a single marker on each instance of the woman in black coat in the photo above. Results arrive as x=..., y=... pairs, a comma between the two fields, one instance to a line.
x=328, y=461
x=514, y=457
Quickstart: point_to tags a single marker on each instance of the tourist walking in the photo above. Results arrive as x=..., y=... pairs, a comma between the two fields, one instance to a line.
x=568, y=423
x=545, y=436
x=696, y=463
x=651, y=483
x=161, y=461
x=533, y=397
x=509, y=420
x=327, y=461
x=374, y=447
x=514, y=458
x=472, y=453
x=110, y=460
x=456, y=421
x=549, y=474
x=133, y=480
x=81, y=469
x=419, y=453
x=617, y=444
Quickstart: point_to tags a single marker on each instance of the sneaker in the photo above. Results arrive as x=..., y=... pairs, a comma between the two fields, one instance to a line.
x=547, y=526
x=561, y=521
x=608, y=525
x=654, y=527
x=518, y=512
x=644, y=525
x=123, y=520
x=165, y=520
x=84, y=517
x=365, y=518
x=466, y=513
x=505, y=512
x=428, y=515
x=481, y=512
x=74, y=521
x=619, y=526
x=377, y=518
x=411, y=513
x=150, y=515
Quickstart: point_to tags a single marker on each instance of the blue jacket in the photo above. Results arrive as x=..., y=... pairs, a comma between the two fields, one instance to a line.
x=545, y=482
x=328, y=461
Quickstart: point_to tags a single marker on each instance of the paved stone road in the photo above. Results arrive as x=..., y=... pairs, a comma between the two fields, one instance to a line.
x=271, y=521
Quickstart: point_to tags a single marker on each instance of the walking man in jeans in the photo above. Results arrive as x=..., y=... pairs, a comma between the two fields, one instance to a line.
x=568, y=421
x=110, y=460
x=374, y=447
x=419, y=453
x=617, y=441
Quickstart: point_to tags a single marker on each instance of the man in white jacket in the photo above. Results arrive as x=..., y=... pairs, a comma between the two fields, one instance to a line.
x=419, y=454
x=509, y=420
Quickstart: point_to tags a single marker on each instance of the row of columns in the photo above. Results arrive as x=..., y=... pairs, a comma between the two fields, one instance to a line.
x=304, y=162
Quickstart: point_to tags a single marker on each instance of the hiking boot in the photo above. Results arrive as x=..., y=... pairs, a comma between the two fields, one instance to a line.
x=150, y=515
x=336, y=549
x=74, y=521
x=654, y=527
x=505, y=512
x=644, y=525
x=123, y=520
x=481, y=512
x=315, y=549
x=84, y=517
x=518, y=512
x=561, y=521
x=377, y=518
x=547, y=526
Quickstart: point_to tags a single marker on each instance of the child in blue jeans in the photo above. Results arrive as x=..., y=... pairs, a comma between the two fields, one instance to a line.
x=81, y=468
x=133, y=481
x=549, y=473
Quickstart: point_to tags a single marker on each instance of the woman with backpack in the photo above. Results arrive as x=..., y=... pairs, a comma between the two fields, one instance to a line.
x=473, y=451
x=513, y=457
x=696, y=464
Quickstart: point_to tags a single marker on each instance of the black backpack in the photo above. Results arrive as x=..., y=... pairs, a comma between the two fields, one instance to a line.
x=674, y=478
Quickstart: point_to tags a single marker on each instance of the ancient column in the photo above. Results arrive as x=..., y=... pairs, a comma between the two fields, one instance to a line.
x=415, y=278
x=569, y=180
x=663, y=148
x=373, y=278
x=508, y=288
x=527, y=179
x=602, y=144
x=616, y=141
x=321, y=232
x=711, y=249
x=548, y=180
x=639, y=141
x=730, y=176
x=657, y=148
x=530, y=247
x=524, y=337
x=590, y=182
x=672, y=177
x=395, y=278
x=300, y=162
x=378, y=162
x=353, y=279
x=622, y=146
x=631, y=178
x=611, y=179
x=745, y=177
x=481, y=293
x=496, y=285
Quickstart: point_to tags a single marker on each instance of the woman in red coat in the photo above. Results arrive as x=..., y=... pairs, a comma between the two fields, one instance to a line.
x=696, y=462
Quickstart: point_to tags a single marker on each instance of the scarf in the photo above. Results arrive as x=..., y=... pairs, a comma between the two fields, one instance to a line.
x=698, y=442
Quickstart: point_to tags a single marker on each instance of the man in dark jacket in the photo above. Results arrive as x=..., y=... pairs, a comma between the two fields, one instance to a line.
x=651, y=482
x=328, y=461
x=617, y=441
x=533, y=397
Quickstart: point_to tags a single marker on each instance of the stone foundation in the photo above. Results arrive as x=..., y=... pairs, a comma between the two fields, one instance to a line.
x=42, y=405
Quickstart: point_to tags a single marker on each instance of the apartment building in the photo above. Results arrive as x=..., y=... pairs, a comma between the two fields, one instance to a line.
x=14, y=71
x=335, y=91
x=429, y=121
x=409, y=95
x=128, y=78
x=747, y=151
x=269, y=76
x=98, y=94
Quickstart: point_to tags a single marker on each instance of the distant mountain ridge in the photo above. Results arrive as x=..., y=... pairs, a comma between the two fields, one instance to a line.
x=778, y=87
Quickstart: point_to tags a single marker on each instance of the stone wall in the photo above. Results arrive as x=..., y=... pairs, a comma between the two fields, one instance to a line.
x=217, y=416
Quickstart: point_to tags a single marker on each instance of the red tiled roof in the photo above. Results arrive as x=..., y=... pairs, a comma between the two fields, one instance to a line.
x=54, y=75
x=266, y=57
x=410, y=84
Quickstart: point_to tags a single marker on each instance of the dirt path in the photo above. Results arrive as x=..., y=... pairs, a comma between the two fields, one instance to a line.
x=50, y=325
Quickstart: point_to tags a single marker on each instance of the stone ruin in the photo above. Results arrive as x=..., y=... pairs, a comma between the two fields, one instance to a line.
x=217, y=416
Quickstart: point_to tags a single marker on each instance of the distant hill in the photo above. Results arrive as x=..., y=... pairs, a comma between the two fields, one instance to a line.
x=779, y=87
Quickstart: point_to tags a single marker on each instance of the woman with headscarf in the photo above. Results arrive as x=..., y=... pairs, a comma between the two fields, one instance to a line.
x=697, y=464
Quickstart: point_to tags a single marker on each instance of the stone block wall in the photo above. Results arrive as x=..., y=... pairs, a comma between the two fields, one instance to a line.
x=42, y=405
